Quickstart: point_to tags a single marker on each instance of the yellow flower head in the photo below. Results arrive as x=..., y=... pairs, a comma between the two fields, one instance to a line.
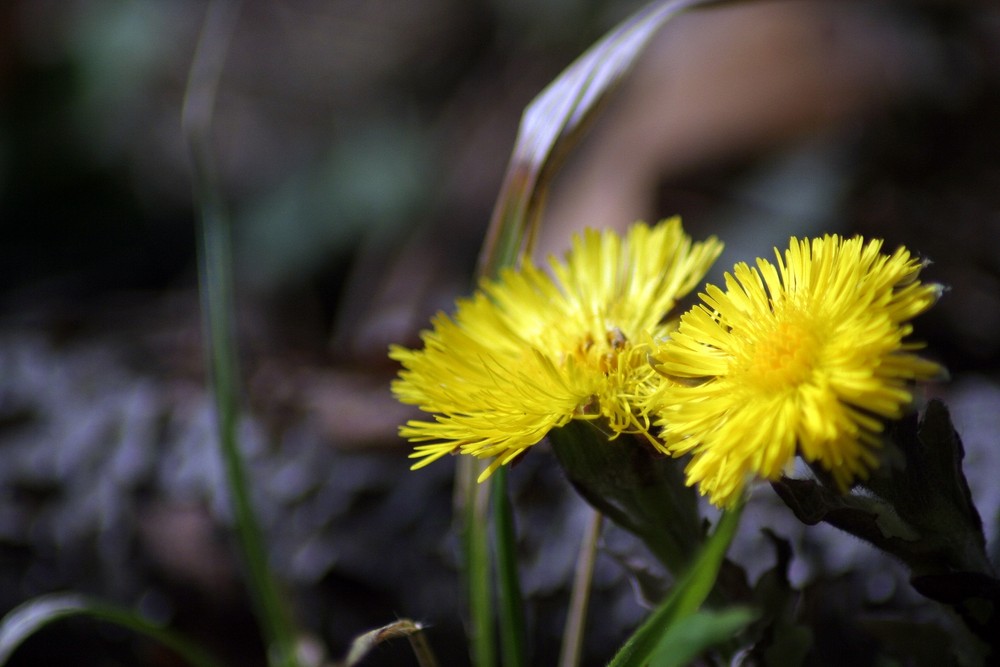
x=531, y=350
x=803, y=357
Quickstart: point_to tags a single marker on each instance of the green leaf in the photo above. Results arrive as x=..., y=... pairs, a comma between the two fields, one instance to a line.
x=30, y=617
x=779, y=640
x=638, y=488
x=690, y=637
x=684, y=600
x=930, y=492
x=918, y=509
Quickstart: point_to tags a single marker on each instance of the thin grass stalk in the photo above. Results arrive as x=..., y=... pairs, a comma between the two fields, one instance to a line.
x=218, y=315
x=576, y=618
x=511, y=604
x=422, y=650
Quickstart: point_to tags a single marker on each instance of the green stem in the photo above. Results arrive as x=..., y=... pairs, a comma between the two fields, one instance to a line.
x=216, y=288
x=472, y=503
x=512, y=631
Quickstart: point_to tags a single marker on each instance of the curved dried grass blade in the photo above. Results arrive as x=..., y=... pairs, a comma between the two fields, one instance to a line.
x=363, y=644
x=553, y=123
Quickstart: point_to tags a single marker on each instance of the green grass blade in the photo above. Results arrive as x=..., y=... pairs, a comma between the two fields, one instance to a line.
x=511, y=604
x=688, y=594
x=30, y=617
x=216, y=288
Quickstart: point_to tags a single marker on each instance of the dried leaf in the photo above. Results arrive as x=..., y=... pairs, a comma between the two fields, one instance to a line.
x=553, y=123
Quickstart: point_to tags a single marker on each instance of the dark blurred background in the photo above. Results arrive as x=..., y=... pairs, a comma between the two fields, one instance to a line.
x=361, y=146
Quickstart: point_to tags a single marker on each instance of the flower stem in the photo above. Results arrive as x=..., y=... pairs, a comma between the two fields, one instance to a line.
x=472, y=501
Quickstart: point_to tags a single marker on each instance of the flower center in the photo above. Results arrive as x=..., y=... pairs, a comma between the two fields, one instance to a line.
x=603, y=358
x=783, y=357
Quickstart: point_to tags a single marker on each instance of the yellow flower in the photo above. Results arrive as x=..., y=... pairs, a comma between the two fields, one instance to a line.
x=804, y=357
x=531, y=350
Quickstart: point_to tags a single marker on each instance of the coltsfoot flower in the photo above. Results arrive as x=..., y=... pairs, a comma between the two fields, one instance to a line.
x=807, y=357
x=532, y=350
